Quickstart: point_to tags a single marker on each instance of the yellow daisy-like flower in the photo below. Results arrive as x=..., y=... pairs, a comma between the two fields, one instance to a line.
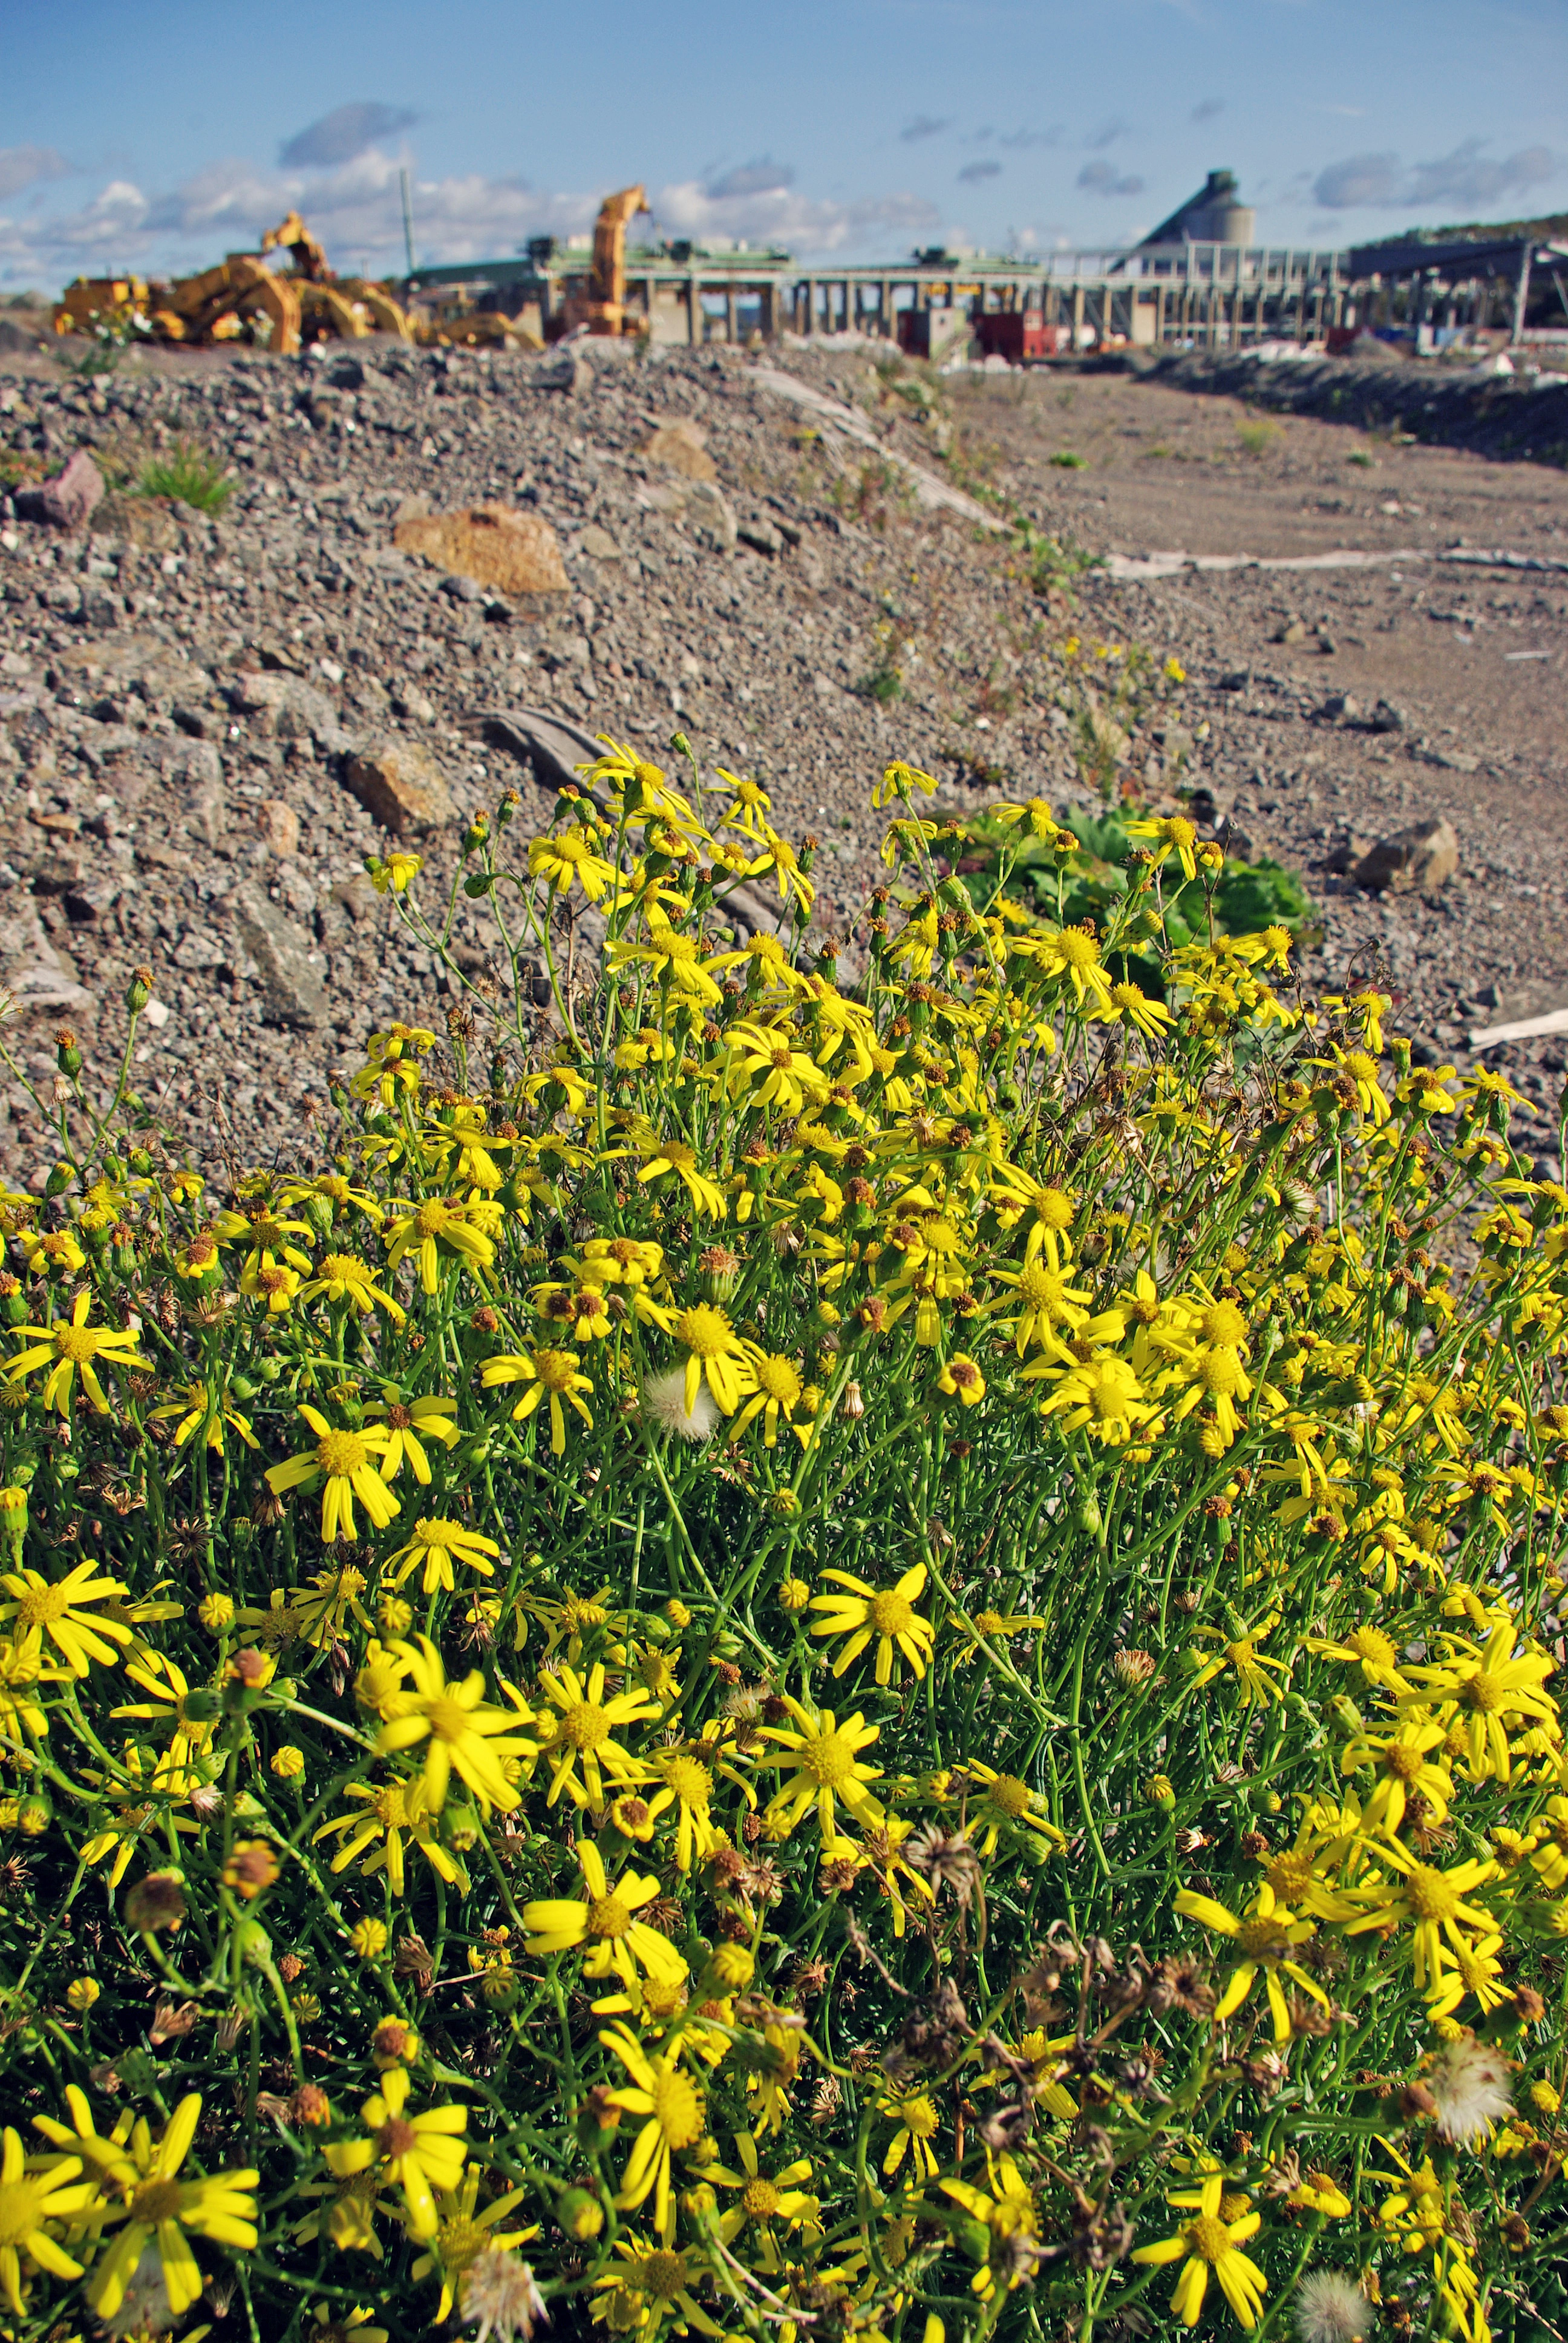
x=462, y=1730
x=919, y=2121
x=1486, y=1689
x=674, y=2117
x=1035, y=811
x=61, y=1610
x=201, y=1409
x=653, y=2284
x=392, y=874
x=443, y=1229
x=156, y=2206
x=766, y=2198
x=1007, y=1804
x=417, y=2154
x=1436, y=1903
x=1210, y=2243
x=568, y=860
x=22, y=1670
x=823, y=1760
x=1169, y=834
x=70, y=1348
x=388, y=1814
x=714, y=1354
x=437, y=1545
x=585, y=1727
x=777, y=1389
x=1103, y=1397
x=344, y=1277
x=674, y=1155
x=618, y=1943
x=464, y=2233
x=409, y=1423
x=549, y=1374
x=29, y=2203
x=1265, y=1939
x=344, y=1463
x=888, y=1613
x=961, y=1378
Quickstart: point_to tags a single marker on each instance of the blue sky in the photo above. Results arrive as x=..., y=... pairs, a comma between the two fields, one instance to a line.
x=160, y=135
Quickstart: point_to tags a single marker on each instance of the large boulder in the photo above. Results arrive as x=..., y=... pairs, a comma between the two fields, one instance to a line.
x=681, y=447
x=511, y=552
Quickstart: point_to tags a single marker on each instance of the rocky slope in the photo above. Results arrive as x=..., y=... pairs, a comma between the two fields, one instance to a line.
x=204, y=725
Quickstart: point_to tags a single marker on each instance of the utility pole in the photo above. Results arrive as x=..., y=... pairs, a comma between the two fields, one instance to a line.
x=408, y=220
x=1521, y=290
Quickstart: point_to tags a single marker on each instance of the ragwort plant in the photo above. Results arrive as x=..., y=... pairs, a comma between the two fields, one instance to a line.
x=834, y=1658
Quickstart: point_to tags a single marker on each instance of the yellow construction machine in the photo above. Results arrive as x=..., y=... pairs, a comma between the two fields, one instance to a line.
x=330, y=305
x=601, y=306
x=306, y=302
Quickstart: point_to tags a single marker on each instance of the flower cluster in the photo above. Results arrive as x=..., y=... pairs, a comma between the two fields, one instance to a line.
x=855, y=1635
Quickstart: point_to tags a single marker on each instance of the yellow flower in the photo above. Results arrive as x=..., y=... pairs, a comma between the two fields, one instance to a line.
x=962, y=1379
x=915, y=2114
x=389, y=1814
x=69, y=1349
x=1242, y=1653
x=777, y=1389
x=411, y=1423
x=1488, y=1687
x=584, y=1734
x=620, y=1944
x=464, y=2235
x=674, y=1155
x=29, y=2203
x=461, y=1729
x=618, y=1260
x=1102, y=1396
x=1005, y=1803
x=1151, y=1017
x=344, y=1277
x=157, y=2207
x=1265, y=1939
x=549, y=1374
x=765, y=2199
x=1033, y=810
x=1437, y=1903
x=1170, y=834
x=438, y=1543
x=442, y=1229
x=1320, y=2192
x=655, y=2283
x=676, y=2116
x=714, y=1352
x=393, y=872
x=417, y=2154
x=561, y=862
x=60, y=1611
x=202, y=1409
x=1403, y=1766
x=900, y=781
x=1210, y=2242
x=824, y=1761
x=368, y=1939
x=1006, y=2210
x=889, y=1615
x=345, y=1462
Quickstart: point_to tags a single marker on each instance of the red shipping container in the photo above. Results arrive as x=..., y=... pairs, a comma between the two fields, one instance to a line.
x=1016, y=335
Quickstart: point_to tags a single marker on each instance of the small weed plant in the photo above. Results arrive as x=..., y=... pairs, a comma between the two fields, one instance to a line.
x=189, y=474
x=835, y=1641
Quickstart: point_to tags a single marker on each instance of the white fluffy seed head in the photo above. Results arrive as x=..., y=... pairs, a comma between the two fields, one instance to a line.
x=500, y=2297
x=1331, y=2309
x=1469, y=2082
x=664, y=1405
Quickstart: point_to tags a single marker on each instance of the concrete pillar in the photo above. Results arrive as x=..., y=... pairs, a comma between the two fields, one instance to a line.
x=730, y=332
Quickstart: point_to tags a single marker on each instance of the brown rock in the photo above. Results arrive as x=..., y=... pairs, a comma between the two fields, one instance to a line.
x=278, y=824
x=143, y=521
x=1411, y=862
x=681, y=448
x=401, y=784
x=496, y=546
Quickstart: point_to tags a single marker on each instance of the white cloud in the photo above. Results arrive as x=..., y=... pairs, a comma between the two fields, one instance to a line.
x=1104, y=179
x=356, y=210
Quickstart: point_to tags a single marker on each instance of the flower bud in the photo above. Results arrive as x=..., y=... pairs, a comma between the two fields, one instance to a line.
x=67, y=1054
x=139, y=991
x=580, y=2215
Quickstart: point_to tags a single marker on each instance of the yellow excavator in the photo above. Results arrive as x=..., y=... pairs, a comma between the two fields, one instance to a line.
x=226, y=302
x=601, y=306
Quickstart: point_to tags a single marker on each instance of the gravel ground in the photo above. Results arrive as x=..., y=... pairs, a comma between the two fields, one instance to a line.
x=159, y=805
